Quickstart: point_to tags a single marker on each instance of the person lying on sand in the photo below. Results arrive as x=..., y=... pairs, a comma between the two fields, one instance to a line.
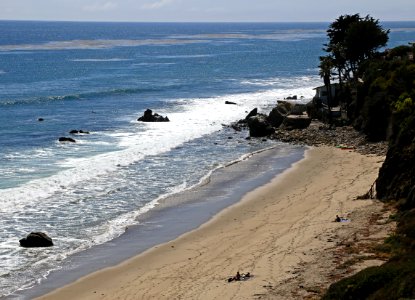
x=340, y=219
x=239, y=277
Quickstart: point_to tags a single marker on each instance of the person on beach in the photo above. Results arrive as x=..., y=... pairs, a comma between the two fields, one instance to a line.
x=337, y=219
x=237, y=277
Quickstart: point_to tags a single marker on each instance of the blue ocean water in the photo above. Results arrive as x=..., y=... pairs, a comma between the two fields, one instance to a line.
x=100, y=77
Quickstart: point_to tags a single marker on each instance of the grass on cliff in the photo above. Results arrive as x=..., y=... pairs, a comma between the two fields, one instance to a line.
x=392, y=280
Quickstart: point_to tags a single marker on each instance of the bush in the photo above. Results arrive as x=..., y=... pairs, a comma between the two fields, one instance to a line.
x=393, y=280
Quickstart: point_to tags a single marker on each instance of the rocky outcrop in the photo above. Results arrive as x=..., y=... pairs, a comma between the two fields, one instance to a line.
x=284, y=110
x=64, y=139
x=252, y=113
x=284, y=107
x=259, y=126
x=318, y=134
x=296, y=122
x=36, y=239
x=277, y=116
x=298, y=109
x=150, y=117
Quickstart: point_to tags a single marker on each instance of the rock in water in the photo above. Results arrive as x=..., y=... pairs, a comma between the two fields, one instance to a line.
x=259, y=126
x=252, y=113
x=66, y=139
x=36, y=239
x=75, y=131
x=149, y=117
x=230, y=102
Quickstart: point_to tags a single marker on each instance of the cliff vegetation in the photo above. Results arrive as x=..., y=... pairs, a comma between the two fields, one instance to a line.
x=377, y=89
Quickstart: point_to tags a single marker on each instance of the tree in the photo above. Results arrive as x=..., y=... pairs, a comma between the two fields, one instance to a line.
x=326, y=67
x=337, y=34
x=352, y=40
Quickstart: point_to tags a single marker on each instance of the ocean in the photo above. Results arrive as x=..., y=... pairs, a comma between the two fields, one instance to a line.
x=100, y=77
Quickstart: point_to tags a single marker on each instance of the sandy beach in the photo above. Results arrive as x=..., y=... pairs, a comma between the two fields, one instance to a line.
x=283, y=233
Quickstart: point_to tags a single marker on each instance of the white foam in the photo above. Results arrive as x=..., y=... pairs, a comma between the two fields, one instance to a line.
x=100, y=59
x=153, y=64
x=192, y=118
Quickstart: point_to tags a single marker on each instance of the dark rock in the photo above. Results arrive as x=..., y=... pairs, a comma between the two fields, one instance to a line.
x=276, y=116
x=345, y=135
x=252, y=113
x=259, y=126
x=74, y=131
x=296, y=122
x=285, y=107
x=66, y=139
x=150, y=117
x=292, y=97
x=298, y=109
x=40, y=119
x=236, y=126
x=230, y=102
x=36, y=239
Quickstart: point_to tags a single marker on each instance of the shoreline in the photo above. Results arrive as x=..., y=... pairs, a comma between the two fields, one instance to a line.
x=274, y=239
x=175, y=214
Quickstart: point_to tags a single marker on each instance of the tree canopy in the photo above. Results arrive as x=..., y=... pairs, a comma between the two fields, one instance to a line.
x=352, y=40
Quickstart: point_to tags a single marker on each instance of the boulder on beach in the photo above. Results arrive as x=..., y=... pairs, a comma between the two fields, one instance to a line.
x=150, y=117
x=259, y=126
x=298, y=109
x=276, y=116
x=36, y=239
x=66, y=139
x=284, y=107
x=296, y=122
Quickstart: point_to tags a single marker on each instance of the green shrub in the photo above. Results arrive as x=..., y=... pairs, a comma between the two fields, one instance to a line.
x=393, y=280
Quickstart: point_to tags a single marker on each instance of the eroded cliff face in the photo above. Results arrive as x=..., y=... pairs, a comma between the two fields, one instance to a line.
x=397, y=175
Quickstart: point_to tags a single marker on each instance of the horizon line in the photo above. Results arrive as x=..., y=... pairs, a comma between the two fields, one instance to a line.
x=182, y=22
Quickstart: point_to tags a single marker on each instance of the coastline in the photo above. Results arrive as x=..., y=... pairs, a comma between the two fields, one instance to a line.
x=277, y=232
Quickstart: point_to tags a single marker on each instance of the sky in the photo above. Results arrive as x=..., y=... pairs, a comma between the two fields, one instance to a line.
x=204, y=10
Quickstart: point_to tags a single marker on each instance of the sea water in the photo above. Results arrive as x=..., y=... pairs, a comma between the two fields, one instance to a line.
x=100, y=77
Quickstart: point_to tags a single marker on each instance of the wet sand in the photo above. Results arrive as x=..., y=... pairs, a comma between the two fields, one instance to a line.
x=282, y=233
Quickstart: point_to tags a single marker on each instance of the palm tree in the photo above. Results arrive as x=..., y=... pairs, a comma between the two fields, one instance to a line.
x=326, y=67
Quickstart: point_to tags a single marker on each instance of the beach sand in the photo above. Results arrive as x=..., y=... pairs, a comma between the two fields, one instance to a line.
x=283, y=233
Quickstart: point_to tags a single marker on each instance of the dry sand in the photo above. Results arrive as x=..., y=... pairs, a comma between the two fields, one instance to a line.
x=282, y=233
